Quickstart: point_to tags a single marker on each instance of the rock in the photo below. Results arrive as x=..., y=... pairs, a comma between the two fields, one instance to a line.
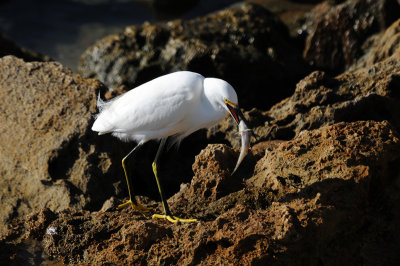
x=367, y=91
x=292, y=13
x=213, y=185
x=341, y=151
x=9, y=47
x=246, y=45
x=337, y=32
x=335, y=201
x=380, y=47
x=344, y=174
x=52, y=159
x=212, y=180
x=46, y=150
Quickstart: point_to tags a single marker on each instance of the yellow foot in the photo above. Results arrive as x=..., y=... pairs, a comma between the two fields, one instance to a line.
x=173, y=219
x=137, y=207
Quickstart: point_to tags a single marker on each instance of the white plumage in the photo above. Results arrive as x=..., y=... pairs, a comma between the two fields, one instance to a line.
x=176, y=105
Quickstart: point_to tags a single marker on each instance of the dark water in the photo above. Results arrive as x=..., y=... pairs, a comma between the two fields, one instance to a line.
x=63, y=29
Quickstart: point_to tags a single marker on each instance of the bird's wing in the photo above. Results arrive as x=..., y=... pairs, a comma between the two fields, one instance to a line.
x=150, y=108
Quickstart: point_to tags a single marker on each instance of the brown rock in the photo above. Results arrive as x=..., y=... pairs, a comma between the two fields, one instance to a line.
x=346, y=151
x=45, y=113
x=335, y=203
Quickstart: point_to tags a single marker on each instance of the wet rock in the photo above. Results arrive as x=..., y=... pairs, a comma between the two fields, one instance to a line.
x=336, y=199
x=337, y=32
x=246, y=45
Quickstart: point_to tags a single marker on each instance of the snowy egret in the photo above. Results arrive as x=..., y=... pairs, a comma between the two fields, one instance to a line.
x=176, y=105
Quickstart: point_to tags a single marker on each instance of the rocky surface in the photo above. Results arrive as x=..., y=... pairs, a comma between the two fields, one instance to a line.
x=320, y=185
x=337, y=32
x=369, y=90
x=244, y=41
x=329, y=191
x=51, y=158
x=44, y=114
x=380, y=47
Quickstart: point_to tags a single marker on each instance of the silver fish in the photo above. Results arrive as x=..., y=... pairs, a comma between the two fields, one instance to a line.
x=246, y=134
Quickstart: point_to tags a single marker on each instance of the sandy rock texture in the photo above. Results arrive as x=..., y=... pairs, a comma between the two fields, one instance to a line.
x=329, y=191
x=243, y=41
x=45, y=113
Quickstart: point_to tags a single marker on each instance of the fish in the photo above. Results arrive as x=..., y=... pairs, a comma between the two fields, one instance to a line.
x=245, y=134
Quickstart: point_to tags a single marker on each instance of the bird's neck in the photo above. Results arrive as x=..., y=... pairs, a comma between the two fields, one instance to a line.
x=212, y=108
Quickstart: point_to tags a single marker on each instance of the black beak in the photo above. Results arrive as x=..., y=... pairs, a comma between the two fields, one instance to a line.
x=237, y=114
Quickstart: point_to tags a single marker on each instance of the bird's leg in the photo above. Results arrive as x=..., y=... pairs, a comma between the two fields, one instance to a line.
x=132, y=201
x=167, y=213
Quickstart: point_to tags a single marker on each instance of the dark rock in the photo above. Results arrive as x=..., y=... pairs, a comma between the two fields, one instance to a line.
x=367, y=91
x=292, y=13
x=337, y=32
x=245, y=45
x=381, y=46
x=9, y=47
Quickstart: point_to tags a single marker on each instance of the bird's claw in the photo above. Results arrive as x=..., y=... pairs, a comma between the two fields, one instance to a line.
x=173, y=219
x=137, y=207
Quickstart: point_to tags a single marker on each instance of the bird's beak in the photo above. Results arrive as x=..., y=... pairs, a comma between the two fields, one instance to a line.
x=235, y=112
x=238, y=115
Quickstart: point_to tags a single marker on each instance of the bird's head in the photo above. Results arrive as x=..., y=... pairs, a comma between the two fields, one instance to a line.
x=225, y=96
x=230, y=104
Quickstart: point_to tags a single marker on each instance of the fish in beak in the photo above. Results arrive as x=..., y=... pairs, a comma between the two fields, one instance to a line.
x=244, y=131
x=245, y=134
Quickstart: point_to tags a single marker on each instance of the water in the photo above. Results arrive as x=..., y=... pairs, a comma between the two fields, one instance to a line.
x=63, y=29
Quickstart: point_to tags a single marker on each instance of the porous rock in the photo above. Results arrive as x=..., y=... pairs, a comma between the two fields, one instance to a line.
x=335, y=202
x=45, y=113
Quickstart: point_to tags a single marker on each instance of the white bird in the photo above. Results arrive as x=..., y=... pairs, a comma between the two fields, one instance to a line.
x=177, y=105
